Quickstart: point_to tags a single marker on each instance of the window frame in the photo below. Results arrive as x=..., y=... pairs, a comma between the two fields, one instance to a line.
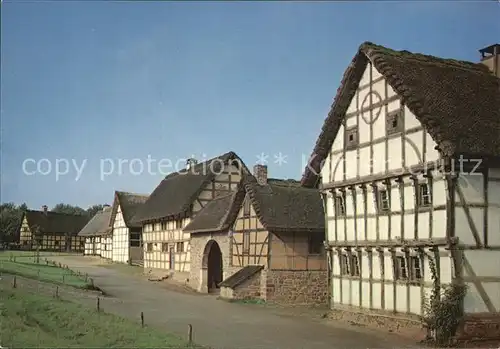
x=395, y=115
x=424, y=200
x=340, y=205
x=380, y=200
x=351, y=132
x=246, y=243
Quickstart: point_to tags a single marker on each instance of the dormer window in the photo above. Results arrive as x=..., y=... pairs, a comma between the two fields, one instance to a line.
x=351, y=137
x=394, y=122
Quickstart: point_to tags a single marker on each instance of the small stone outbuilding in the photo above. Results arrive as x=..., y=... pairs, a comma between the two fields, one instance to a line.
x=263, y=241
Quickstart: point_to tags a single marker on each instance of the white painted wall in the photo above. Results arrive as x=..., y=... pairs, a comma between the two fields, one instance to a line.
x=121, y=240
x=412, y=147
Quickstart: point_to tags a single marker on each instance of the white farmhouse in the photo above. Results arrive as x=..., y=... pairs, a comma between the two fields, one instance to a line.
x=126, y=236
x=408, y=161
x=94, y=229
x=172, y=205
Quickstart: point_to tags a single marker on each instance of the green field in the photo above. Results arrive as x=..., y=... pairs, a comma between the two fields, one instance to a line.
x=25, y=264
x=39, y=321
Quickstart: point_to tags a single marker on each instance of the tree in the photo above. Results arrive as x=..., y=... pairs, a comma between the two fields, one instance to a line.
x=10, y=221
x=68, y=209
x=92, y=210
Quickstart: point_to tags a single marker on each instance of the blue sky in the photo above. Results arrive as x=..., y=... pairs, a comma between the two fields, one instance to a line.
x=122, y=80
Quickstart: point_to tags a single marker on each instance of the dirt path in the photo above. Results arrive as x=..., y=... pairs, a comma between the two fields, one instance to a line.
x=216, y=323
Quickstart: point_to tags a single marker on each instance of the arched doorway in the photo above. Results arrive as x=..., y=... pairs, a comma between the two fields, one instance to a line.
x=212, y=259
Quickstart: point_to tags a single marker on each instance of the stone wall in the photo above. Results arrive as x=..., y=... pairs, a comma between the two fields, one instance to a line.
x=198, y=243
x=296, y=287
x=480, y=327
x=249, y=289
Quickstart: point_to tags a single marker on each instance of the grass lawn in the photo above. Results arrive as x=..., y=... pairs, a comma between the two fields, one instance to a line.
x=44, y=322
x=25, y=265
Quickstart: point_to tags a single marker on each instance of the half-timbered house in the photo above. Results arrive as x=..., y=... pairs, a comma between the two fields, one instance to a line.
x=263, y=241
x=126, y=235
x=94, y=229
x=174, y=202
x=52, y=231
x=407, y=162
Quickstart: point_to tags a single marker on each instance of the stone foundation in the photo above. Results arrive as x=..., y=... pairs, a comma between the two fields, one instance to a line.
x=484, y=326
x=409, y=326
x=285, y=287
x=296, y=287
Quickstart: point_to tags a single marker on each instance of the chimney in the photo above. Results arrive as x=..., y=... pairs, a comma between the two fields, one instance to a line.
x=44, y=209
x=190, y=163
x=490, y=57
x=260, y=173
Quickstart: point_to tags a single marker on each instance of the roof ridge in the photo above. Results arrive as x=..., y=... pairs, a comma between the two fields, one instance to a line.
x=59, y=213
x=130, y=193
x=197, y=165
x=366, y=47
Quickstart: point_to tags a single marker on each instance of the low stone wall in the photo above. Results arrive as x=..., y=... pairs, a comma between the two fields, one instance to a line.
x=296, y=287
x=390, y=322
x=249, y=289
x=484, y=326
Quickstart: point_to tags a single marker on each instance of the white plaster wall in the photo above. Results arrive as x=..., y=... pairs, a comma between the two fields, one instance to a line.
x=121, y=239
x=387, y=293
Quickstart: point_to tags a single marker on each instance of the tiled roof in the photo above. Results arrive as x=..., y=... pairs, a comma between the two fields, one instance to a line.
x=218, y=215
x=457, y=102
x=99, y=224
x=281, y=205
x=55, y=223
x=130, y=204
x=176, y=193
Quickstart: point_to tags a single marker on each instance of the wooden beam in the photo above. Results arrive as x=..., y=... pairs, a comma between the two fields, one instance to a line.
x=395, y=243
x=479, y=286
x=472, y=226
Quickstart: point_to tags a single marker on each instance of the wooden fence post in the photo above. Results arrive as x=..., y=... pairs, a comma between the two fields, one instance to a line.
x=98, y=304
x=142, y=319
x=190, y=334
x=14, y=282
x=57, y=291
x=63, y=278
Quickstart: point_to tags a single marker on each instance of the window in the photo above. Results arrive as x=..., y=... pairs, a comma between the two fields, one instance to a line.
x=416, y=268
x=246, y=207
x=153, y=226
x=351, y=137
x=394, y=122
x=355, y=266
x=149, y=247
x=163, y=225
x=164, y=247
x=339, y=206
x=424, y=195
x=246, y=242
x=344, y=265
x=82, y=244
x=400, y=268
x=383, y=200
x=178, y=224
x=56, y=243
x=180, y=247
x=315, y=244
